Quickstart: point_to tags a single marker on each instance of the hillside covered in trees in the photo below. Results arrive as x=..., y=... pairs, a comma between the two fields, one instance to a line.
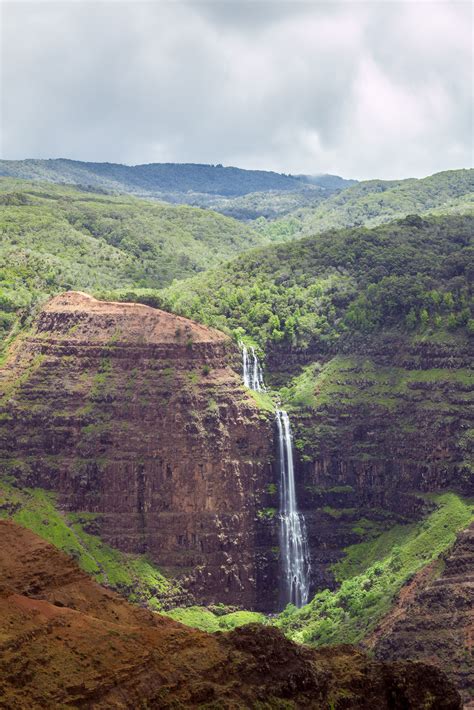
x=321, y=291
x=55, y=238
x=375, y=202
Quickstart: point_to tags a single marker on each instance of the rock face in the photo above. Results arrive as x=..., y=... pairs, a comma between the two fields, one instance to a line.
x=387, y=424
x=66, y=642
x=436, y=623
x=137, y=416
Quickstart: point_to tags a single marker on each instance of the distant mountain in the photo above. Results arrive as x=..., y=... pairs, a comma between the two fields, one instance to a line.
x=328, y=182
x=163, y=177
x=374, y=202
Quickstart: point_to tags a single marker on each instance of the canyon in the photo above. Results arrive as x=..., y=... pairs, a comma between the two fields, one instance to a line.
x=139, y=421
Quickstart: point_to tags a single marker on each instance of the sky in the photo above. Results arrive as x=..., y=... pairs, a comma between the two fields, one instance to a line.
x=380, y=89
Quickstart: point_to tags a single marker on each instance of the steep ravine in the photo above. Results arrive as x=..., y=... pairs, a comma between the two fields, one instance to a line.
x=139, y=421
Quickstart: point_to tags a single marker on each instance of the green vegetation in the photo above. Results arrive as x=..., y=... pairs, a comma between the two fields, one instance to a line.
x=263, y=399
x=55, y=238
x=215, y=618
x=372, y=573
x=404, y=407
x=132, y=575
x=376, y=202
x=359, y=380
x=267, y=513
x=321, y=292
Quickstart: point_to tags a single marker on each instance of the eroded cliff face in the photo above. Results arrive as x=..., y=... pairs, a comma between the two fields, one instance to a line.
x=376, y=429
x=385, y=427
x=66, y=642
x=433, y=620
x=137, y=416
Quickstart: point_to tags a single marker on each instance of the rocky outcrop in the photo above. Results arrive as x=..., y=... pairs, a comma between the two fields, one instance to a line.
x=434, y=619
x=66, y=642
x=136, y=415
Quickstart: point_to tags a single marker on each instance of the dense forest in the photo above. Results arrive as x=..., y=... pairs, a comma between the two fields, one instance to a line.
x=375, y=202
x=320, y=291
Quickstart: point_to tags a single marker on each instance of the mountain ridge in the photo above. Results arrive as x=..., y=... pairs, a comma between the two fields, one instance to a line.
x=162, y=177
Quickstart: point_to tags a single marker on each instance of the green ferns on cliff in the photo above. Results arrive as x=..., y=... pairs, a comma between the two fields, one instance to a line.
x=372, y=574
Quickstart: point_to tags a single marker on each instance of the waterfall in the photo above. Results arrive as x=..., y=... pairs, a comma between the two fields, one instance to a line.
x=253, y=375
x=294, y=549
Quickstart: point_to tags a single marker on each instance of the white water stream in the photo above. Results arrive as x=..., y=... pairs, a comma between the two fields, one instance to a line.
x=252, y=371
x=294, y=549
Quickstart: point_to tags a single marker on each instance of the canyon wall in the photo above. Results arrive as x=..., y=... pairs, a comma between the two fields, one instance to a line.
x=375, y=430
x=136, y=416
x=434, y=619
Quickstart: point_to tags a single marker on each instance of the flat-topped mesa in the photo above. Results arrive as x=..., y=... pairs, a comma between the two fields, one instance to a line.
x=76, y=318
x=137, y=416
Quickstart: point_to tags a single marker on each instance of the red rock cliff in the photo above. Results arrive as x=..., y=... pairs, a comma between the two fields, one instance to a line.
x=137, y=415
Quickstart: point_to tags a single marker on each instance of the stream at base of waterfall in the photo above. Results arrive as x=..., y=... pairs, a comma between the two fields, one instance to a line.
x=294, y=549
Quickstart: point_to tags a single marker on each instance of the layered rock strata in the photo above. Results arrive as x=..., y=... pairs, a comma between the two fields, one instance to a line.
x=137, y=416
x=434, y=619
x=385, y=427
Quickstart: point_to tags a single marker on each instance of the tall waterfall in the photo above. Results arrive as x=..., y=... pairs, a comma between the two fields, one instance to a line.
x=294, y=549
x=253, y=375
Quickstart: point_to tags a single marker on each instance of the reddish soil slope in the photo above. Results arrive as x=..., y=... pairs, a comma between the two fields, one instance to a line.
x=66, y=642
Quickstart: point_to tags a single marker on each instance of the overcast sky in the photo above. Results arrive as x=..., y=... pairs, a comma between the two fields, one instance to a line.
x=360, y=89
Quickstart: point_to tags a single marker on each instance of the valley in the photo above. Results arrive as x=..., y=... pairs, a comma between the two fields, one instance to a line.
x=134, y=438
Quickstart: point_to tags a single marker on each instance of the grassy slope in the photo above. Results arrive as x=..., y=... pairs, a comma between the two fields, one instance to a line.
x=373, y=572
x=133, y=575
x=215, y=619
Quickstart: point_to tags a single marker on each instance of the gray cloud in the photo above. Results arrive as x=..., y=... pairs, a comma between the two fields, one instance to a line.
x=362, y=89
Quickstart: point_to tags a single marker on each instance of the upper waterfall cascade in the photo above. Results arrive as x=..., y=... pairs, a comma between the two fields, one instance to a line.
x=252, y=370
x=294, y=549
